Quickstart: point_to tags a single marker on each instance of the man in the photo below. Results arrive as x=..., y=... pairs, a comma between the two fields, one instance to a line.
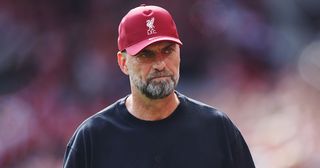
x=155, y=126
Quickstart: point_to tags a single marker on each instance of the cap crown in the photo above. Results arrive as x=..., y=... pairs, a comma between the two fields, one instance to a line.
x=145, y=25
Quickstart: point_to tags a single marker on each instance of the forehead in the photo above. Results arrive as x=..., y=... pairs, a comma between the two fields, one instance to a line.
x=159, y=45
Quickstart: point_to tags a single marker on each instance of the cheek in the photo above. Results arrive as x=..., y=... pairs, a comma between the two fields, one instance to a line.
x=137, y=73
x=175, y=65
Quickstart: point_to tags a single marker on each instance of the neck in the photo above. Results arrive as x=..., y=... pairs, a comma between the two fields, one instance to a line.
x=151, y=109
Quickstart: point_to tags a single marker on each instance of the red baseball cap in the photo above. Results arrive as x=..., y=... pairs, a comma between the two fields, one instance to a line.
x=145, y=25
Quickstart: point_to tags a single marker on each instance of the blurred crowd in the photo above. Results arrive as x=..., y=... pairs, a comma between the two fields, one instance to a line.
x=258, y=61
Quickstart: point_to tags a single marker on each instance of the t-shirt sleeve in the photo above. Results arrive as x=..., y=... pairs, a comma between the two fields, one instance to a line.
x=241, y=156
x=77, y=152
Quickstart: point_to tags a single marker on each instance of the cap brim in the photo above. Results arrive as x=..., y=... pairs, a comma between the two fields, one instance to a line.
x=136, y=48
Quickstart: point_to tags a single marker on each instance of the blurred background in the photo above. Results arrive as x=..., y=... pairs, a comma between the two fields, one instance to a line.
x=258, y=61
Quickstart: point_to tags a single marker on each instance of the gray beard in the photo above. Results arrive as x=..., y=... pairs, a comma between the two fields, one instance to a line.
x=155, y=89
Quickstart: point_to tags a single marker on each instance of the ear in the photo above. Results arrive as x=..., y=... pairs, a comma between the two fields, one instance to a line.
x=122, y=62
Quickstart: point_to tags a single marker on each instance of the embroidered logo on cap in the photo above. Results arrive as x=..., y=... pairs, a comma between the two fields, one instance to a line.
x=151, y=28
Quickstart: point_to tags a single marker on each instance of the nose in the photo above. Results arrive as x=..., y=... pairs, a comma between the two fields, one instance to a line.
x=159, y=63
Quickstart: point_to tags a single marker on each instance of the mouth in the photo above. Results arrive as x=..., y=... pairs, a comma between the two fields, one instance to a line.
x=160, y=78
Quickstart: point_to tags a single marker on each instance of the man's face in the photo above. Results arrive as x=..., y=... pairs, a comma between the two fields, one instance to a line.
x=154, y=71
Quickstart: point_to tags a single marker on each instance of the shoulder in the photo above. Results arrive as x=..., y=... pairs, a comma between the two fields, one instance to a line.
x=100, y=120
x=105, y=116
x=207, y=116
x=95, y=123
x=200, y=108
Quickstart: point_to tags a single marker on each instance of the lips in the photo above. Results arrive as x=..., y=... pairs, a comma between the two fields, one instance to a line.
x=158, y=77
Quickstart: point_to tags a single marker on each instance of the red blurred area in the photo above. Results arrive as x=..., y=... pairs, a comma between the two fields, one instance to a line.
x=258, y=61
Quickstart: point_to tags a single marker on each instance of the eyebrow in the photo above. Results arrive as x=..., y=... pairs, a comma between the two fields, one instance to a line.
x=145, y=50
x=169, y=45
x=166, y=46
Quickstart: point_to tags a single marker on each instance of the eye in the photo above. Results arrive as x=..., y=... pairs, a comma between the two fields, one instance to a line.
x=168, y=50
x=146, y=54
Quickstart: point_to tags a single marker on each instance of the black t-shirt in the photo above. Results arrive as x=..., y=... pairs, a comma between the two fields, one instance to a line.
x=195, y=135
